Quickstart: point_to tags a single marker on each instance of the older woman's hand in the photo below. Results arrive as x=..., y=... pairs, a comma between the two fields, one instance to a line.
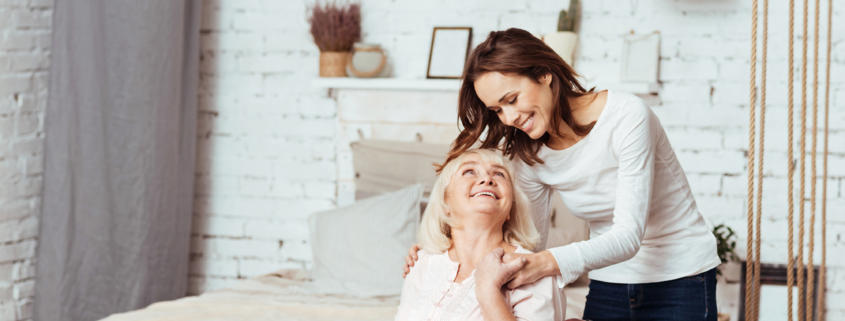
x=492, y=272
x=536, y=266
x=490, y=275
x=410, y=259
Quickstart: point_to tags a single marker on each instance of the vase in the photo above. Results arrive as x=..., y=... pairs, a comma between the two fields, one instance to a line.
x=563, y=43
x=333, y=63
x=365, y=60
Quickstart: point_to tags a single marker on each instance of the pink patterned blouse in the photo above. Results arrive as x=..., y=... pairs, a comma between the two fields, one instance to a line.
x=430, y=294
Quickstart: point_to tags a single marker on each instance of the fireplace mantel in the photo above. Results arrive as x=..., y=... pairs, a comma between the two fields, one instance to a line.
x=387, y=83
x=453, y=84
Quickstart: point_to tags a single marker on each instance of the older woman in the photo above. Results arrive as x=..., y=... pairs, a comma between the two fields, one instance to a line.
x=476, y=214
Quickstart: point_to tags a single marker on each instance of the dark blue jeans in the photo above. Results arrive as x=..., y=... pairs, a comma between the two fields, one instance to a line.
x=688, y=298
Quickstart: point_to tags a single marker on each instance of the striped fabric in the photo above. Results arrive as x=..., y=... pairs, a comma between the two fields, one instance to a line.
x=359, y=249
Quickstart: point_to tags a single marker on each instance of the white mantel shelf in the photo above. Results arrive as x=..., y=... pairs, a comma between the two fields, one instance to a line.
x=451, y=84
x=387, y=83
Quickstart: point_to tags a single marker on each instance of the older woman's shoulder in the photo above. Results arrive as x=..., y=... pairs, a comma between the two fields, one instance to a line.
x=522, y=250
x=540, y=300
x=544, y=283
x=425, y=258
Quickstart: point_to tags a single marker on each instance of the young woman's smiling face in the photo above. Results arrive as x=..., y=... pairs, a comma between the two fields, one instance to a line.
x=480, y=187
x=519, y=101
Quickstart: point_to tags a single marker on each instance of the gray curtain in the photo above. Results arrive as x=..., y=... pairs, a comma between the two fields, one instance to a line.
x=119, y=157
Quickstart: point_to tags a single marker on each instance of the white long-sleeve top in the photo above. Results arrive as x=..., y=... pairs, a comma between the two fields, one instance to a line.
x=623, y=179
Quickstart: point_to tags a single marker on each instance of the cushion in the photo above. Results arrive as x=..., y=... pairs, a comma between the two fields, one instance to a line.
x=383, y=166
x=359, y=249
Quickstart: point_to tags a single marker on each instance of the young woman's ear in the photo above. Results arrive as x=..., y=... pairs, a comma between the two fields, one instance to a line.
x=546, y=80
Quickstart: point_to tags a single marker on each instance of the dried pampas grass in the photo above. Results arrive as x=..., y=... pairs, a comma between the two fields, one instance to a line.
x=335, y=27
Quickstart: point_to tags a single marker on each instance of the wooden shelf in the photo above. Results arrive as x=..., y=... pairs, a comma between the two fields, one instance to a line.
x=387, y=83
x=452, y=84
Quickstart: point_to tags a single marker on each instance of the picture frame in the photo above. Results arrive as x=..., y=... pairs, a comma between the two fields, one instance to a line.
x=449, y=50
x=640, y=58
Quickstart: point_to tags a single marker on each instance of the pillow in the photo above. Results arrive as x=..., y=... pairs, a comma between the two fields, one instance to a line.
x=359, y=249
x=384, y=166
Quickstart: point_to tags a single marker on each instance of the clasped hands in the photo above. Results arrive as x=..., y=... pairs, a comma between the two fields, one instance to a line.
x=511, y=269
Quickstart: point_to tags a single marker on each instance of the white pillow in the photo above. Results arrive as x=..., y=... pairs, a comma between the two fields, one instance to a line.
x=359, y=249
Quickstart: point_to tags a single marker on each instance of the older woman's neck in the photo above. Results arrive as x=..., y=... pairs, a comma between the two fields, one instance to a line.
x=469, y=246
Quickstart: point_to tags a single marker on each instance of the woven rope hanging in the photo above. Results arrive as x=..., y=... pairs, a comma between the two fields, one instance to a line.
x=806, y=287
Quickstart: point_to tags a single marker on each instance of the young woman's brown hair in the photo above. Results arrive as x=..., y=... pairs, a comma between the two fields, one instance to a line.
x=513, y=52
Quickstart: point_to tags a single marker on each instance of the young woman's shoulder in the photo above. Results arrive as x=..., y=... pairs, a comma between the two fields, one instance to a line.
x=627, y=104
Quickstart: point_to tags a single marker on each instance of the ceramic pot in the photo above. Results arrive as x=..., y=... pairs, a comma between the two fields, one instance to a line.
x=563, y=43
x=365, y=60
x=333, y=64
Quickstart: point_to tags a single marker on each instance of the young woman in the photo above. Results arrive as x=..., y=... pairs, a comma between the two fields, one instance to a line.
x=650, y=255
x=475, y=216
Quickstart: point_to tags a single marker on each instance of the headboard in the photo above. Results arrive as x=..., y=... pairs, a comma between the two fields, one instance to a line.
x=384, y=166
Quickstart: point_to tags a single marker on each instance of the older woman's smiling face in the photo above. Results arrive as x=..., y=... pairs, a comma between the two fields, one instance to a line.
x=480, y=187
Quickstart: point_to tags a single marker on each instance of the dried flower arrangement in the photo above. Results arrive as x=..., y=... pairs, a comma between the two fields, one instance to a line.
x=335, y=27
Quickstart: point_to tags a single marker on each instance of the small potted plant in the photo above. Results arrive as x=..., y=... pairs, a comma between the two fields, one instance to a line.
x=725, y=246
x=564, y=40
x=335, y=28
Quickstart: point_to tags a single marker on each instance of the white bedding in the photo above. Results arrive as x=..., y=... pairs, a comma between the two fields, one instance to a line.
x=275, y=297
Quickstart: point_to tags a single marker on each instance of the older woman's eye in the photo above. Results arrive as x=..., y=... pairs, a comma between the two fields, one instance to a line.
x=500, y=174
x=469, y=171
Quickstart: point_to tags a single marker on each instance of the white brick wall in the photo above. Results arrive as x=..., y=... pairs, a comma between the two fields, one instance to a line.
x=267, y=155
x=266, y=152
x=25, y=28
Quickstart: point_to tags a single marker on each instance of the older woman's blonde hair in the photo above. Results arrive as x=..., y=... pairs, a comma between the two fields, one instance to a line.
x=435, y=229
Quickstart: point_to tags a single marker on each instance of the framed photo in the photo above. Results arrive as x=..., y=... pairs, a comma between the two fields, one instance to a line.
x=640, y=56
x=449, y=51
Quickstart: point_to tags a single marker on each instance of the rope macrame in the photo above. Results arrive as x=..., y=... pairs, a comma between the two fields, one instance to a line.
x=749, y=268
x=806, y=293
x=791, y=162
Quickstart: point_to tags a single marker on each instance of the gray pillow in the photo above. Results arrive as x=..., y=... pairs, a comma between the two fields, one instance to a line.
x=359, y=249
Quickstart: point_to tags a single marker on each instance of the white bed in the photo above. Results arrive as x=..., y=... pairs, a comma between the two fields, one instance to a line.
x=275, y=297
x=379, y=167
